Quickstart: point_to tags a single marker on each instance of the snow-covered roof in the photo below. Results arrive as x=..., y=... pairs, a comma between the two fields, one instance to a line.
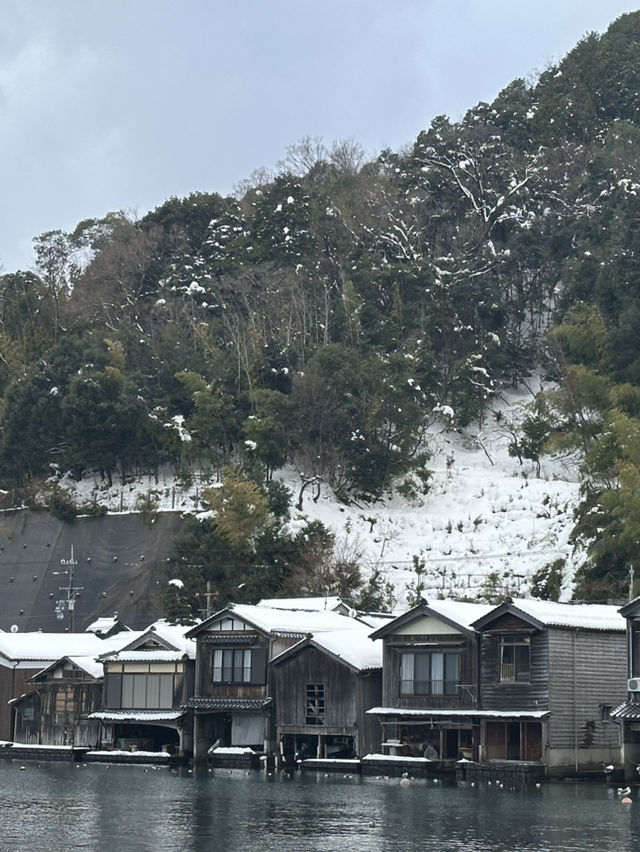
x=41, y=648
x=553, y=614
x=174, y=634
x=355, y=648
x=119, y=640
x=376, y=619
x=462, y=612
x=105, y=624
x=322, y=604
x=286, y=621
x=89, y=665
x=137, y=715
x=140, y=655
x=170, y=635
x=426, y=713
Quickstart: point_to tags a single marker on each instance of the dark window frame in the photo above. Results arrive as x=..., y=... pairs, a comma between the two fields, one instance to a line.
x=424, y=671
x=315, y=707
x=515, y=659
x=232, y=665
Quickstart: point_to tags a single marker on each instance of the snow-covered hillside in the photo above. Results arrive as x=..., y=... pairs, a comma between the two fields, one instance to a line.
x=484, y=513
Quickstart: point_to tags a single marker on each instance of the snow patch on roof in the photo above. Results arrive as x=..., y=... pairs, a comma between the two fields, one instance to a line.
x=355, y=648
x=461, y=612
x=321, y=604
x=587, y=616
x=273, y=620
x=89, y=665
x=136, y=715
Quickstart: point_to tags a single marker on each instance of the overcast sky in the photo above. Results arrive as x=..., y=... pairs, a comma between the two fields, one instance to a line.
x=120, y=104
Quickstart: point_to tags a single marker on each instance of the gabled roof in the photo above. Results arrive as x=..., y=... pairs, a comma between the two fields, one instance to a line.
x=171, y=639
x=90, y=665
x=631, y=608
x=541, y=614
x=456, y=614
x=106, y=626
x=276, y=621
x=28, y=650
x=353, y=648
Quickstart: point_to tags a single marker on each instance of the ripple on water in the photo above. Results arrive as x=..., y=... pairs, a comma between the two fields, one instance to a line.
x=61, y=808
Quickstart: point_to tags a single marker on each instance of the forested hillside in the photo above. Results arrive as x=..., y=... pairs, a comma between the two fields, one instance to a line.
x=332, y=310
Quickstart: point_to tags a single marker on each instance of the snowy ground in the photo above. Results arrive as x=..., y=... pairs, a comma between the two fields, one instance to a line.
x=483, y=514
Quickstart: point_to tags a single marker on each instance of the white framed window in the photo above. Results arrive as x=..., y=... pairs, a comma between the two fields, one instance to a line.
x=147, y=691
x=232, y=665
x=228, y=623
x=429, y=673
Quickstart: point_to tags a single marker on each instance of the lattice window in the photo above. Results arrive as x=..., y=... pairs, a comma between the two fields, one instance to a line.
x=314, y=712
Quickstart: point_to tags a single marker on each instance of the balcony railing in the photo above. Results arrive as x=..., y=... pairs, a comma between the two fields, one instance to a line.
x=429, y=687
x=510, y=673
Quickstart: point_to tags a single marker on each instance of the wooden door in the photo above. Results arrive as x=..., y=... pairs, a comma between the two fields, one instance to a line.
x=495, y=741
x=532, y=745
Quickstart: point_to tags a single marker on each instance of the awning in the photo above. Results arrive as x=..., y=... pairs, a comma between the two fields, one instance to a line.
x=227, y=705
x=627, y=710
x=137, y=715
x=406, y=713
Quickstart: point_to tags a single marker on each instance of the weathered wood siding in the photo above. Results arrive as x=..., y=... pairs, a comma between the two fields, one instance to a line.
x=40, y=721
x=396, y=643
x=27, y=720
x=588, y=670
x=347, y=696
x=369, y=728
x=497, y=695
x=13, y=683
x=290, y=679
x=204, y=684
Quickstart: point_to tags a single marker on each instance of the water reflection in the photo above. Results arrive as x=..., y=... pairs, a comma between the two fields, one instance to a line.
x=93, y=807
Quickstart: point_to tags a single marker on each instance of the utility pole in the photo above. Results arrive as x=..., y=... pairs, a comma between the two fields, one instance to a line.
x=70, y=603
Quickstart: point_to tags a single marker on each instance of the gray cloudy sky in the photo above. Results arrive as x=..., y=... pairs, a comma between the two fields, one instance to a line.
x=120, y=104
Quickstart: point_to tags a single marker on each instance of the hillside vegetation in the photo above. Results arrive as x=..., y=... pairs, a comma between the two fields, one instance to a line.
x=328, y=314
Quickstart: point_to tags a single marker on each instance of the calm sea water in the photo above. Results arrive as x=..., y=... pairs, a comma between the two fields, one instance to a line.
x=59, y=808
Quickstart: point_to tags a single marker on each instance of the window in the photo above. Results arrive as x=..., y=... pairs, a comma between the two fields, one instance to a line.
x=605, y=712
x=314, y=711
x=232, y=665
x=635, y=649
x=147, y=691
x=429, y=673
x=515, y=659
x=228, y=623
x=64, y=702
